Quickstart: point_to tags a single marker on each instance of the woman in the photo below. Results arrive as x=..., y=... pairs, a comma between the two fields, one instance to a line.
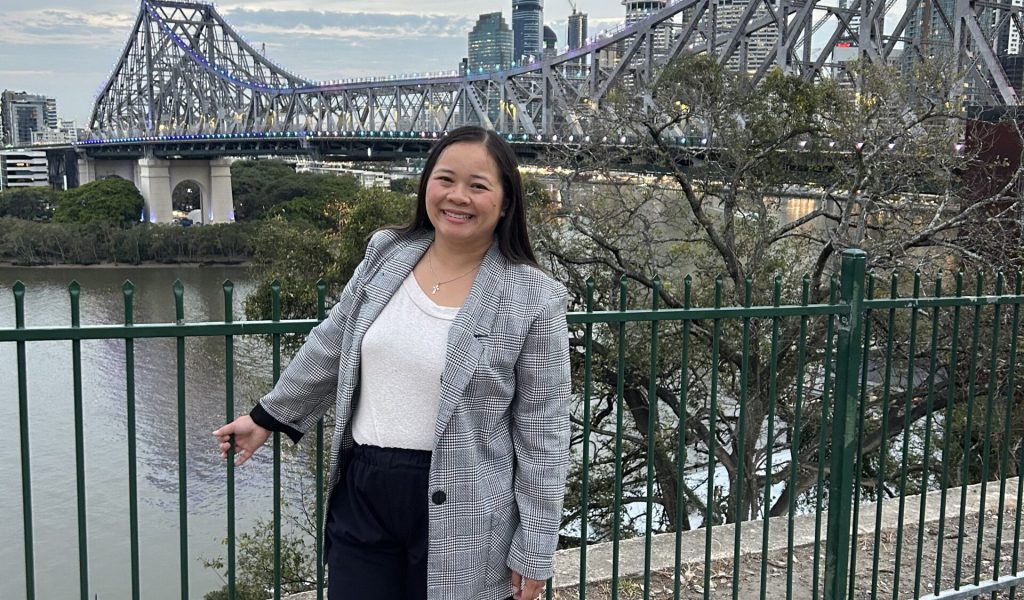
x=447, y=361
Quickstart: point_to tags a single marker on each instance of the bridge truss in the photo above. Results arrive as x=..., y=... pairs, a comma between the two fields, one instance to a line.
x=186, y=72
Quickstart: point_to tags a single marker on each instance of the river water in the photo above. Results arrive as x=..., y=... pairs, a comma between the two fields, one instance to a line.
x=52, y=438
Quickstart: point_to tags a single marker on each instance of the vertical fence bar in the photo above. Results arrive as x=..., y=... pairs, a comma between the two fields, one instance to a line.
x=1015, y=565
x=971, y=389
x=619, y=393
x=794, y=471
x=684, y=362
x=908, y=406
x=883, y=446
x=823, y=427
x=588, y=341
x=861, y=432
x=741, y=447
x=1004, y=454
x=926, y=454
x=709, y=501
x=321, y=314
x=652, y=432
x=26, y=474
x=128, y=291
x=986, y=458
x=844, y=423
x=179, y=315
x=75, y=294
x=769, y=469
x=229, y=410
x=275, y=311
x=947, y=432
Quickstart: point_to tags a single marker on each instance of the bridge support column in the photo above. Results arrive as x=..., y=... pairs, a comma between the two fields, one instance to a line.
x=222, y=200
x=86, y=170
x=155, y=186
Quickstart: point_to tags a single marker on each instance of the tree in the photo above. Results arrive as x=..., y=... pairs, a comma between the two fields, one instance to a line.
x=296, y=257
x=269, y=188
x=32, y=204
x=108, y=200
x=881, y=170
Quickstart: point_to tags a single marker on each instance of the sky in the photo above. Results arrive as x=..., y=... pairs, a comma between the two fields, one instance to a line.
x=66, y=48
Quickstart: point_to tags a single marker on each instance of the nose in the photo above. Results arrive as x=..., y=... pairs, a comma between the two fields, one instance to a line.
x=458, y=194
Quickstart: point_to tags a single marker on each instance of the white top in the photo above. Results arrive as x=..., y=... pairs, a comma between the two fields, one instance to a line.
x=403, y=356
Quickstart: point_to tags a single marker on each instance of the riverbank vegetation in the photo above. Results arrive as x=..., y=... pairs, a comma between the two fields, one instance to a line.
x=285, y=222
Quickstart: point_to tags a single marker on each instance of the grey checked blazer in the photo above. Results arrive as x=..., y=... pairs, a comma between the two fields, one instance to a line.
x=501, y=440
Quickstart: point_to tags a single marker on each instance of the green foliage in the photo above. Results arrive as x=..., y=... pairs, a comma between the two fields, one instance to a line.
x=32, y=243
x=409, y=185
x=297, y=257
x=270, y=188
x=34, y=203
x=108, y=200
x=255, y=567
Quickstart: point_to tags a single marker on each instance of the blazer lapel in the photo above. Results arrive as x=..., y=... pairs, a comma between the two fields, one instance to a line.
x=472, y=323
x=378, y=290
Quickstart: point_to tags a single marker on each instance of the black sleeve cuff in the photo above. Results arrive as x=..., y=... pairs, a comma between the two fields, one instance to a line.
x=262, y=418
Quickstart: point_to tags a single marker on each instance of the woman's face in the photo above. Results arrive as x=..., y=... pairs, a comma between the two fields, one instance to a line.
x=464, y=198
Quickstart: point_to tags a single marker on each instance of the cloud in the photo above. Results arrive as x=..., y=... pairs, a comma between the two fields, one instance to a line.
x=355, y=26
x=65, y=27
x=25, y=72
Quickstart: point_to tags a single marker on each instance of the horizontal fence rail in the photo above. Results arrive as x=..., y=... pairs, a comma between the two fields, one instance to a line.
x=867, y=445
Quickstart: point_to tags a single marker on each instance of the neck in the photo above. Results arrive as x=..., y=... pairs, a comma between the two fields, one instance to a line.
x=458, y=256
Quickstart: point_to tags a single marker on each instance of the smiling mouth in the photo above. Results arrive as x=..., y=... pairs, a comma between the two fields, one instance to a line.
x=458, y=216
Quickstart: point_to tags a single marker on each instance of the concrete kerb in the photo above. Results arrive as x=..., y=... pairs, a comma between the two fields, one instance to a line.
x=631, y=551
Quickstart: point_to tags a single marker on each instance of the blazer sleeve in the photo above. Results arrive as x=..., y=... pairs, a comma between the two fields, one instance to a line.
x=540, y=438
x=308, y=386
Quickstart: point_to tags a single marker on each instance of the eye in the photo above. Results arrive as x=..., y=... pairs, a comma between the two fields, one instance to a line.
x=480, y=186
x=444, y=178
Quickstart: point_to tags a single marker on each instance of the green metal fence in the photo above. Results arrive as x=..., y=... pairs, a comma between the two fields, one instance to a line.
x=785, y=415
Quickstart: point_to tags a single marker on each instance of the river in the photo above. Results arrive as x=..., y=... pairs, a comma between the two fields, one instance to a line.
x=52, y=437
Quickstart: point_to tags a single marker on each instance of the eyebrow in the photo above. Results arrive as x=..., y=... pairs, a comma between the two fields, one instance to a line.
x=474, y=176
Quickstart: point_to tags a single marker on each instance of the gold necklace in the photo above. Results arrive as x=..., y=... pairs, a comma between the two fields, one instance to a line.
x=437, y=286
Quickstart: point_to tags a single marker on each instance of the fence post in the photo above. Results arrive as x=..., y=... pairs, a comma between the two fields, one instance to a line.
x=844, y=425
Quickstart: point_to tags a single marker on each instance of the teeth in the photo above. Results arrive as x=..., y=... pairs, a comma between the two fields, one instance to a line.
x=461, y=216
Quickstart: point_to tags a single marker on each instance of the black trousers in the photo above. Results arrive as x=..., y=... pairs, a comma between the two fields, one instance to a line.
x=377, y=526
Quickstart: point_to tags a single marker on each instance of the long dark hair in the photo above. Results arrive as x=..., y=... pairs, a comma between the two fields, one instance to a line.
x=513, y=238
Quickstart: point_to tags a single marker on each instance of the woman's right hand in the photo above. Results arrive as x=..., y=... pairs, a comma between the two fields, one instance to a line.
x=248, y=438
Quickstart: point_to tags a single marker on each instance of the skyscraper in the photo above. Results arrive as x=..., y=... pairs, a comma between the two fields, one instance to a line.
x=576, y=36
x=527, y=28
x=21, y=114
x=550, y=42
x=638, y=10
x=490, y=44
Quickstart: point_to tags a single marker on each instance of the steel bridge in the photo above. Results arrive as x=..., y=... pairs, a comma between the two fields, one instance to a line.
x=187, y=78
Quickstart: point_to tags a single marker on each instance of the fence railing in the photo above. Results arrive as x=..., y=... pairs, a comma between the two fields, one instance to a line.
x=718, y=418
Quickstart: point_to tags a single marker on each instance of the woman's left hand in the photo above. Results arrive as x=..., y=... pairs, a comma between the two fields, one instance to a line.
x=524, y=588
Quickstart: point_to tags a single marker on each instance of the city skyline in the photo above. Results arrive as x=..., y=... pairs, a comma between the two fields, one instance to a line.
x=58, y=49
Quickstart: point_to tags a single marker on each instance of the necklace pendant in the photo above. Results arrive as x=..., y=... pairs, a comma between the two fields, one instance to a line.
x=436, y=287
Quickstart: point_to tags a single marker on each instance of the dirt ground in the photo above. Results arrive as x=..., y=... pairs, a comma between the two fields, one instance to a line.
x=776, y=586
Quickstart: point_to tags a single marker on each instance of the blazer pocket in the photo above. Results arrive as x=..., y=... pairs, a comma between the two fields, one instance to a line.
x=504, y=521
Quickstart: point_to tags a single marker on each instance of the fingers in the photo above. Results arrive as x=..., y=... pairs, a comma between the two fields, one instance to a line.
x=524, y=588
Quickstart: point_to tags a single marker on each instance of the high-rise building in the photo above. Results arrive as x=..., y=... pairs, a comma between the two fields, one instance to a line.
x=638, y=10
x=576, y=36
x=760, y=43
x=527, y=29
x=22, y=113
x=927, y=28
x=490, y=44
x=23, y=168
x=550, y=42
